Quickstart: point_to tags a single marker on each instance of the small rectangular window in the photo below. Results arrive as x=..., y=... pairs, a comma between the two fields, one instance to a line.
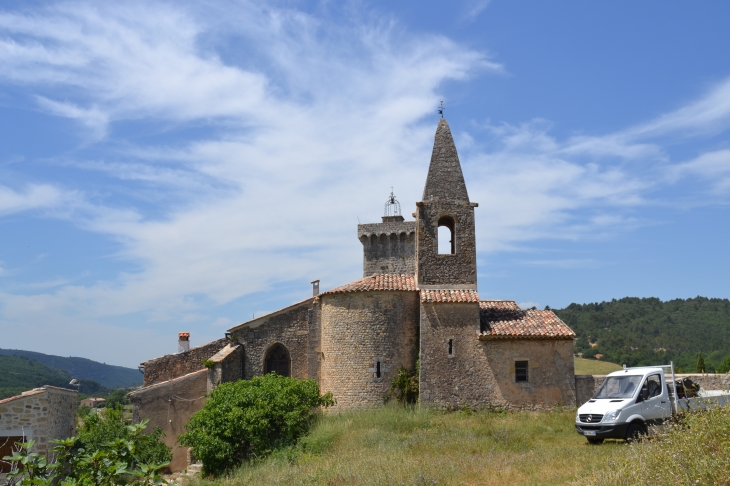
x=520, y=371
x=377, y=370
x=451, y=347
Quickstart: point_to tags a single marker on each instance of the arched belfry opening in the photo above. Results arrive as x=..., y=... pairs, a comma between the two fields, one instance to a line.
x=277, y=360
x=446, y=240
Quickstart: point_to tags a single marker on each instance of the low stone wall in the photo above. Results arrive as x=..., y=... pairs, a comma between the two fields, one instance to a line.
x=586, y=385
x=172, y=366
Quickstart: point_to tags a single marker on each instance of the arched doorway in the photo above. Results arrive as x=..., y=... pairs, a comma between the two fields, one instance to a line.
x=277, y=360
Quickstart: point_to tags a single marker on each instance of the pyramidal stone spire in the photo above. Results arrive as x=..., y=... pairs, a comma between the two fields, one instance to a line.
x=445, y=181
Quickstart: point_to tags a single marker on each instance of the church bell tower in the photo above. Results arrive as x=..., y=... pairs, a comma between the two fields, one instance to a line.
x=445, y=205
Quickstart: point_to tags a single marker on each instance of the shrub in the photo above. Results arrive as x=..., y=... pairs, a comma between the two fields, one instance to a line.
x=119, y=461
x=404, y=386
x=108, y=426
x=251, y=418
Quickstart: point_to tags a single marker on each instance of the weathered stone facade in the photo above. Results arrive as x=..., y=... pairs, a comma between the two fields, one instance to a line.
x=43, y=414
x=366, y=338
x=288, y=327
x=388, y=247
x=171, y=366
x=170, y=403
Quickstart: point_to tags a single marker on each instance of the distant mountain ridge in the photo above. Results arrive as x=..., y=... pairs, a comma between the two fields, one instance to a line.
x=109, y=376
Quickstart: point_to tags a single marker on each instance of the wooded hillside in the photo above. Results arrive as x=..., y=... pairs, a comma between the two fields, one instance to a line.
x=636, y=331
x=19, y=374
x=109, y=376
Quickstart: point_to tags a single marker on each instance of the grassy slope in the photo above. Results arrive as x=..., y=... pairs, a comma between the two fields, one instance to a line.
x=396, y=446
x=594, y=367
x=109, y=376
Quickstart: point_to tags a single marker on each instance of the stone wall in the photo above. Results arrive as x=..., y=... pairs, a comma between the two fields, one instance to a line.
x=289, y=327
x=314, y=341
x=586, y=385
x=550, y=380
x=444, y=271
x=361, y=333
x=464, y=377
x=42, y=414
x=169, y=405
x=388, y=247
x=171, y=366
x=228, y=366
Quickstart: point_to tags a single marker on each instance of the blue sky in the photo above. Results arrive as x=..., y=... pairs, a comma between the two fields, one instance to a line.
x=173, y=166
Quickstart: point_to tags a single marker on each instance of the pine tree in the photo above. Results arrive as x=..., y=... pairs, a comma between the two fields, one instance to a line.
x=701, y=364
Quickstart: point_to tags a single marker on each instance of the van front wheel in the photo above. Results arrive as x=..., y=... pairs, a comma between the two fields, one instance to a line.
x=594, y=440
x=634, y=432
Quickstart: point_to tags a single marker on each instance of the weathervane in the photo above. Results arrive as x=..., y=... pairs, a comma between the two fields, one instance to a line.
x=441, y=109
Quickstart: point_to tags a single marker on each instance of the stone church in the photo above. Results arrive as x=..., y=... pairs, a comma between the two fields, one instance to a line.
x=414, y=305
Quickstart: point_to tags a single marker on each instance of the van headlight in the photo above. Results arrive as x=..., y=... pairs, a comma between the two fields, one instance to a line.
x=612, y=416
x=577, y=416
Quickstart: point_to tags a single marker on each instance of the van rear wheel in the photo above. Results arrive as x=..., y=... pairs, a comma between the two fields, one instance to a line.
x=634, y=432
x=594, y=440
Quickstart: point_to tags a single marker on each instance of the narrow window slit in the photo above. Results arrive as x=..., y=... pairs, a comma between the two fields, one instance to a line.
x=451, y=347
x=520, y=371
x=377, y=369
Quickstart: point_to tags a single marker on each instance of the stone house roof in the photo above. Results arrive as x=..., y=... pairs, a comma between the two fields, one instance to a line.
x=28, y=393
x=443, y=295
x=503, y=319
x=380, y=281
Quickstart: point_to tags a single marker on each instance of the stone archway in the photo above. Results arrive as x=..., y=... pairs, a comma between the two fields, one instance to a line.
x=277, y=360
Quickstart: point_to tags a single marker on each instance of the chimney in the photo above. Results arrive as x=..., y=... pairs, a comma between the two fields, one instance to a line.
x=315, y=288
x=183, y=342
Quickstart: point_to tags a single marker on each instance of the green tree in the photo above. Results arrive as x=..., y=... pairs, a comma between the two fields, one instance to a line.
x=701, y=364
x=252, y=418
x=724, y=366
x=117, y=397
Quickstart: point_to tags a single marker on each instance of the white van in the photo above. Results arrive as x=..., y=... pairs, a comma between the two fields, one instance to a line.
x=630, y=400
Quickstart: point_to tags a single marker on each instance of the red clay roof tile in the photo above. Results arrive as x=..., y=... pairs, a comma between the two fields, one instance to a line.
x=443, y=295
x=384, y=281
x=505, y=320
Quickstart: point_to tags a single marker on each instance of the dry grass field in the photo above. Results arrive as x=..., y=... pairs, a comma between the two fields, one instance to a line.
x=594, y=367
x=393, y=445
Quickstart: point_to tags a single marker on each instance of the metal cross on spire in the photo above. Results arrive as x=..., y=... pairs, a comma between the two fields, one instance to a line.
x=441, y=109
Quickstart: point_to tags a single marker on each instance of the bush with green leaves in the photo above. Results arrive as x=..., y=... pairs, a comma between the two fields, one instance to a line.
x=404, y=386
x=121, y=460
x=109, y=425
x=251, y=418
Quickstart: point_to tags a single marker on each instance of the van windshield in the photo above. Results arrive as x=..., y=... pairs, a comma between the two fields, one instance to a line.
x=618, y=386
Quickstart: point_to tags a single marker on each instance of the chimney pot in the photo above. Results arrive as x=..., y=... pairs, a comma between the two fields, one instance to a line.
x=183, y=342
x=315, y=288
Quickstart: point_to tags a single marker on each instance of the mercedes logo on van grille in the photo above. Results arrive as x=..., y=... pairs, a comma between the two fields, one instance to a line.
x=588, y=419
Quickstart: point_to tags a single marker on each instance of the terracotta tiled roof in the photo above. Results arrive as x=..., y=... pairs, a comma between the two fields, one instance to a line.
x=505, y=320
x=384, y=281
x=442, y=295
